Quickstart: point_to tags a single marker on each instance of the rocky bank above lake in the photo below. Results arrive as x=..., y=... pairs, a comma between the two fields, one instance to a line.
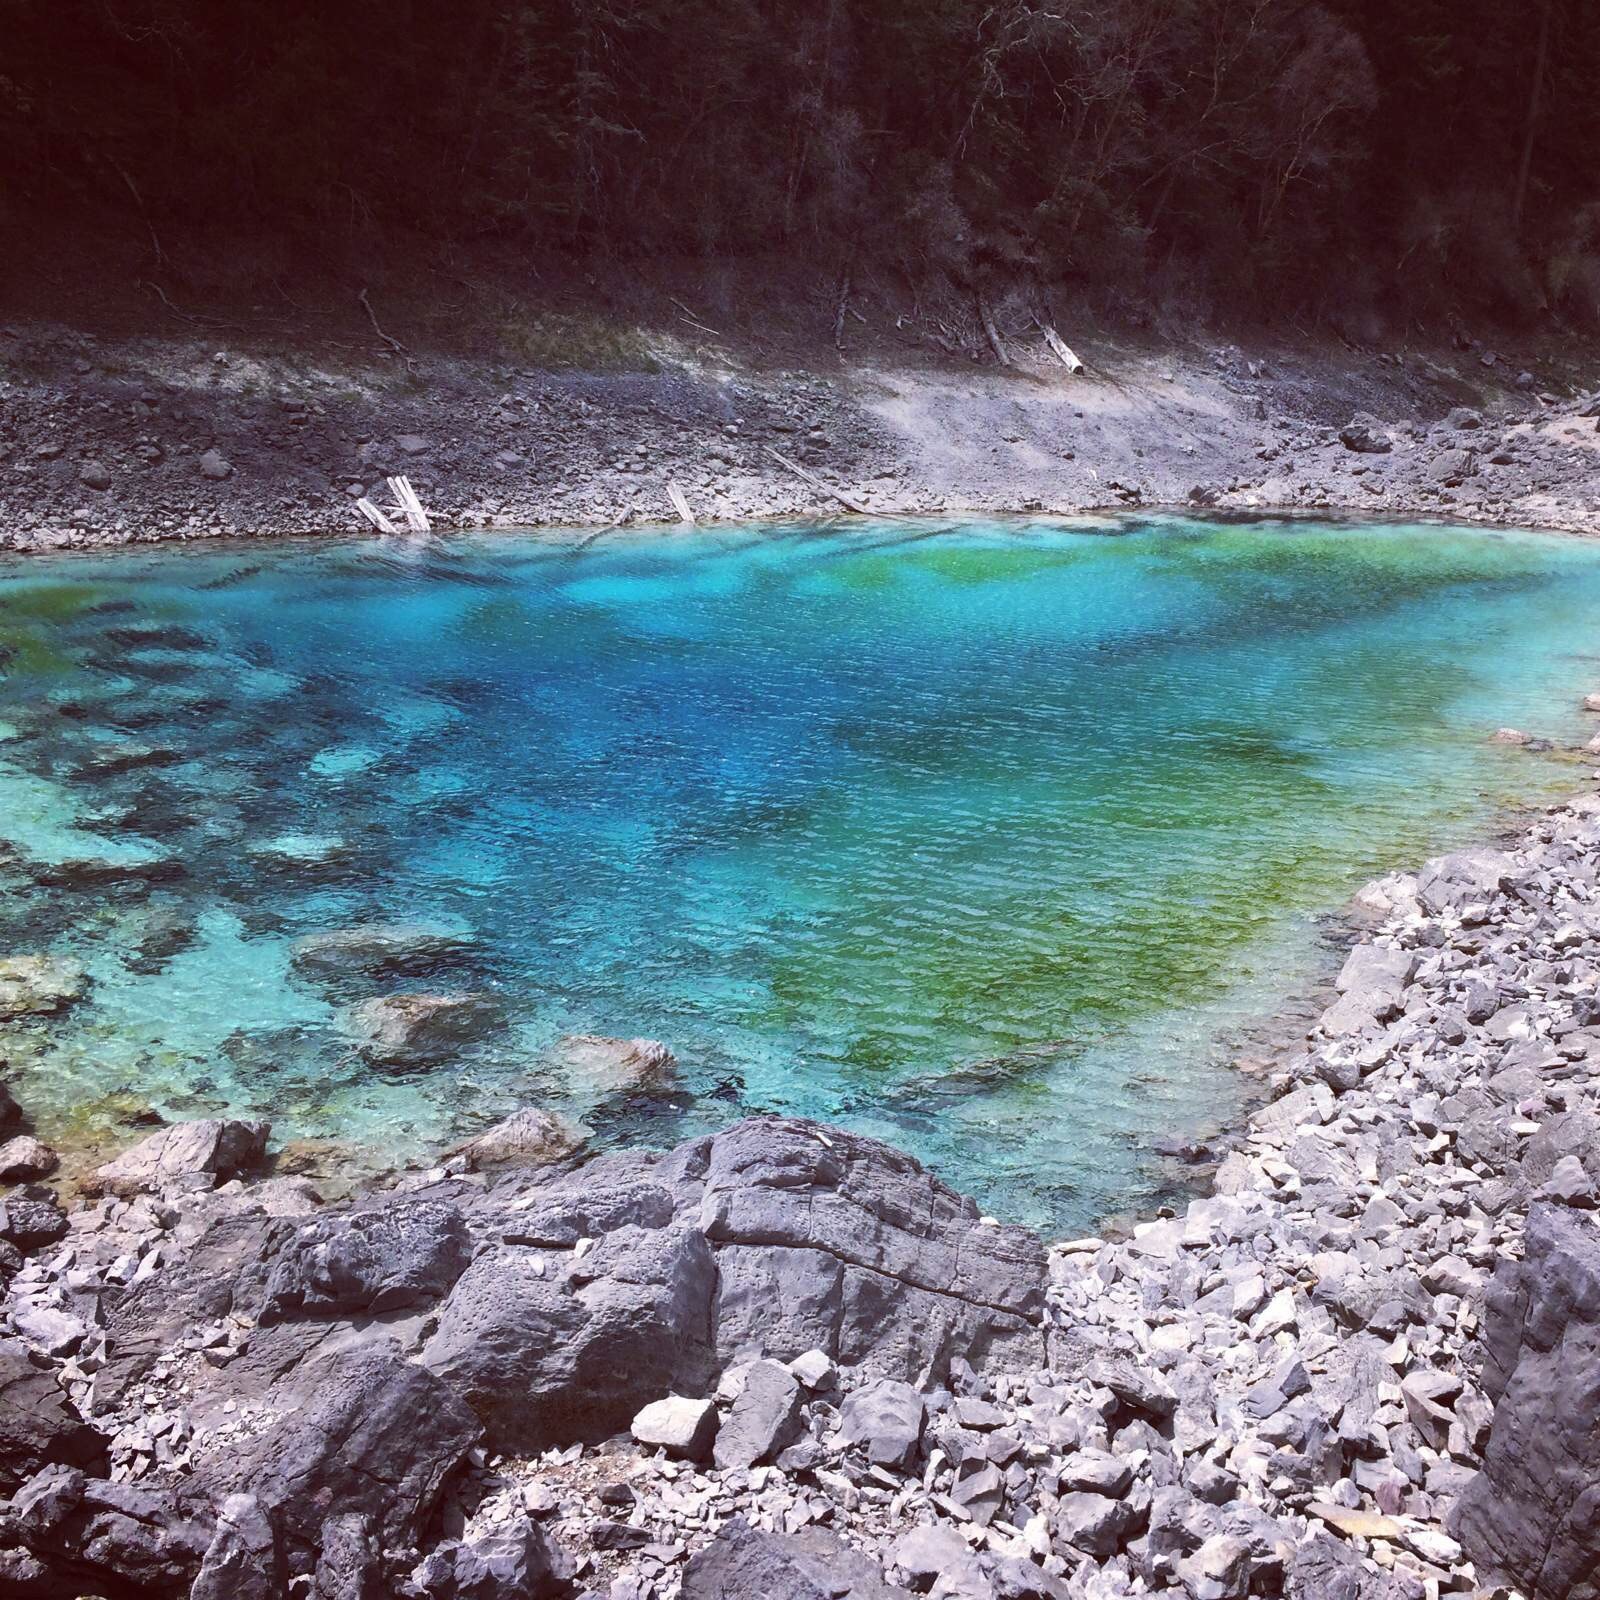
x=785, y=1360
x=110, y=440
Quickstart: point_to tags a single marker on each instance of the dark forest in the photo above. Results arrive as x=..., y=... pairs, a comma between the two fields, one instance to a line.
x=1270, y=156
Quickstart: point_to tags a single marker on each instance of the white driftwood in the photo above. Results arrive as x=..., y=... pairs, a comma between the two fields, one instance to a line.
x=410, y=506
x=1063, y=352
x=375, y=517
x=680, y=503
x=849, y=500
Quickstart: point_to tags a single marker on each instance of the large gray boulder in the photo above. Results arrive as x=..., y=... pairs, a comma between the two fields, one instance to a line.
x=384, y=1257
x=828, y=1240
x=746, y=1563
x=1462, y=880
x=1532, y=1516
x=548, y=1347
x=1372, y=987
x=244, y=1561
x=39, y=1426
x=764, y=1416
x=363, y=1432
x=885, y=1418
x=207, y=1151
x=612, y=1285
x=531, y=1137
x=513, y=1562
x=92, y=1537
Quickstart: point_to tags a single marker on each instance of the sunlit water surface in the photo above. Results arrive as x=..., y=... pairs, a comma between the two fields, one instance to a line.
x=985, y=839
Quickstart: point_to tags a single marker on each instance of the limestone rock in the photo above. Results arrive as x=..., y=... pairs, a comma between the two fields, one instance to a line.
x=348, y=1560
x=31, y=1217
x=380, y=1258
x=545, y=1353
x=886, y=1419
x=110, y=1538
x=360, y=1432
x=514, y=1562
x=24, y=1158
x=34, y=985
x=244, y=1561
x=530, y=1137
x=831, y=1241
x=762, y=1419
x=39, y=1427
x=1532, y=1516
x=680, y=1426
x=211, y=1149
x=746, y=1563
x=412, y=1029
x=1365, y=435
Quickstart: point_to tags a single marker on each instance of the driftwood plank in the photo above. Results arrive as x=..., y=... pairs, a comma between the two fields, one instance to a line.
x=375, y=516
x=860, y=507
x=410, y=506
x=680, y=503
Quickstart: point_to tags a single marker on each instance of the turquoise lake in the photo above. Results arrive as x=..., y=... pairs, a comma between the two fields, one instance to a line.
x=986, y=838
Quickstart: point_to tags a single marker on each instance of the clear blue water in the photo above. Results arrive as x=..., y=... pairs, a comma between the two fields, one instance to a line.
x=983, y=838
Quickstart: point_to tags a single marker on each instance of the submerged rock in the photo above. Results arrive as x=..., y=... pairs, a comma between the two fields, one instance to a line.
x=615, y=1066
x=408, y=1029
x=762, y=1419
x=34, y=985
x=378, y=948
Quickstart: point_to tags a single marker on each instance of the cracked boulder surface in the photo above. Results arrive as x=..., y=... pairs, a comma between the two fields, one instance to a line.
x=1532, y=1516
x=609, y=1285
x=352, y=1360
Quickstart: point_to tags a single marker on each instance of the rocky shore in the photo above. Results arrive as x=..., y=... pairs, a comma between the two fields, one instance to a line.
x=786, y=1361
x=106, y=441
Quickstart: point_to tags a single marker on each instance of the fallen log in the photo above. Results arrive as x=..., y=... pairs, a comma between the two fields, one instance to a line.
x=410, y=506
x=375, y=516
x=1059, y=347
x=680, y=503
x=860, y=507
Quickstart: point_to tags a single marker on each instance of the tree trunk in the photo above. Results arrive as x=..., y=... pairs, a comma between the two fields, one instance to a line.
x=1525, y=163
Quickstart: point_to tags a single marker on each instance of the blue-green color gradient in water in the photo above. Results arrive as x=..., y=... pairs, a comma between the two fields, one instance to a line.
x=981, y=838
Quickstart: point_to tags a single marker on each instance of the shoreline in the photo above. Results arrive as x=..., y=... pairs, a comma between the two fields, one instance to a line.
x=1278, y=1386
x=1332, y=515
x=132, y=440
